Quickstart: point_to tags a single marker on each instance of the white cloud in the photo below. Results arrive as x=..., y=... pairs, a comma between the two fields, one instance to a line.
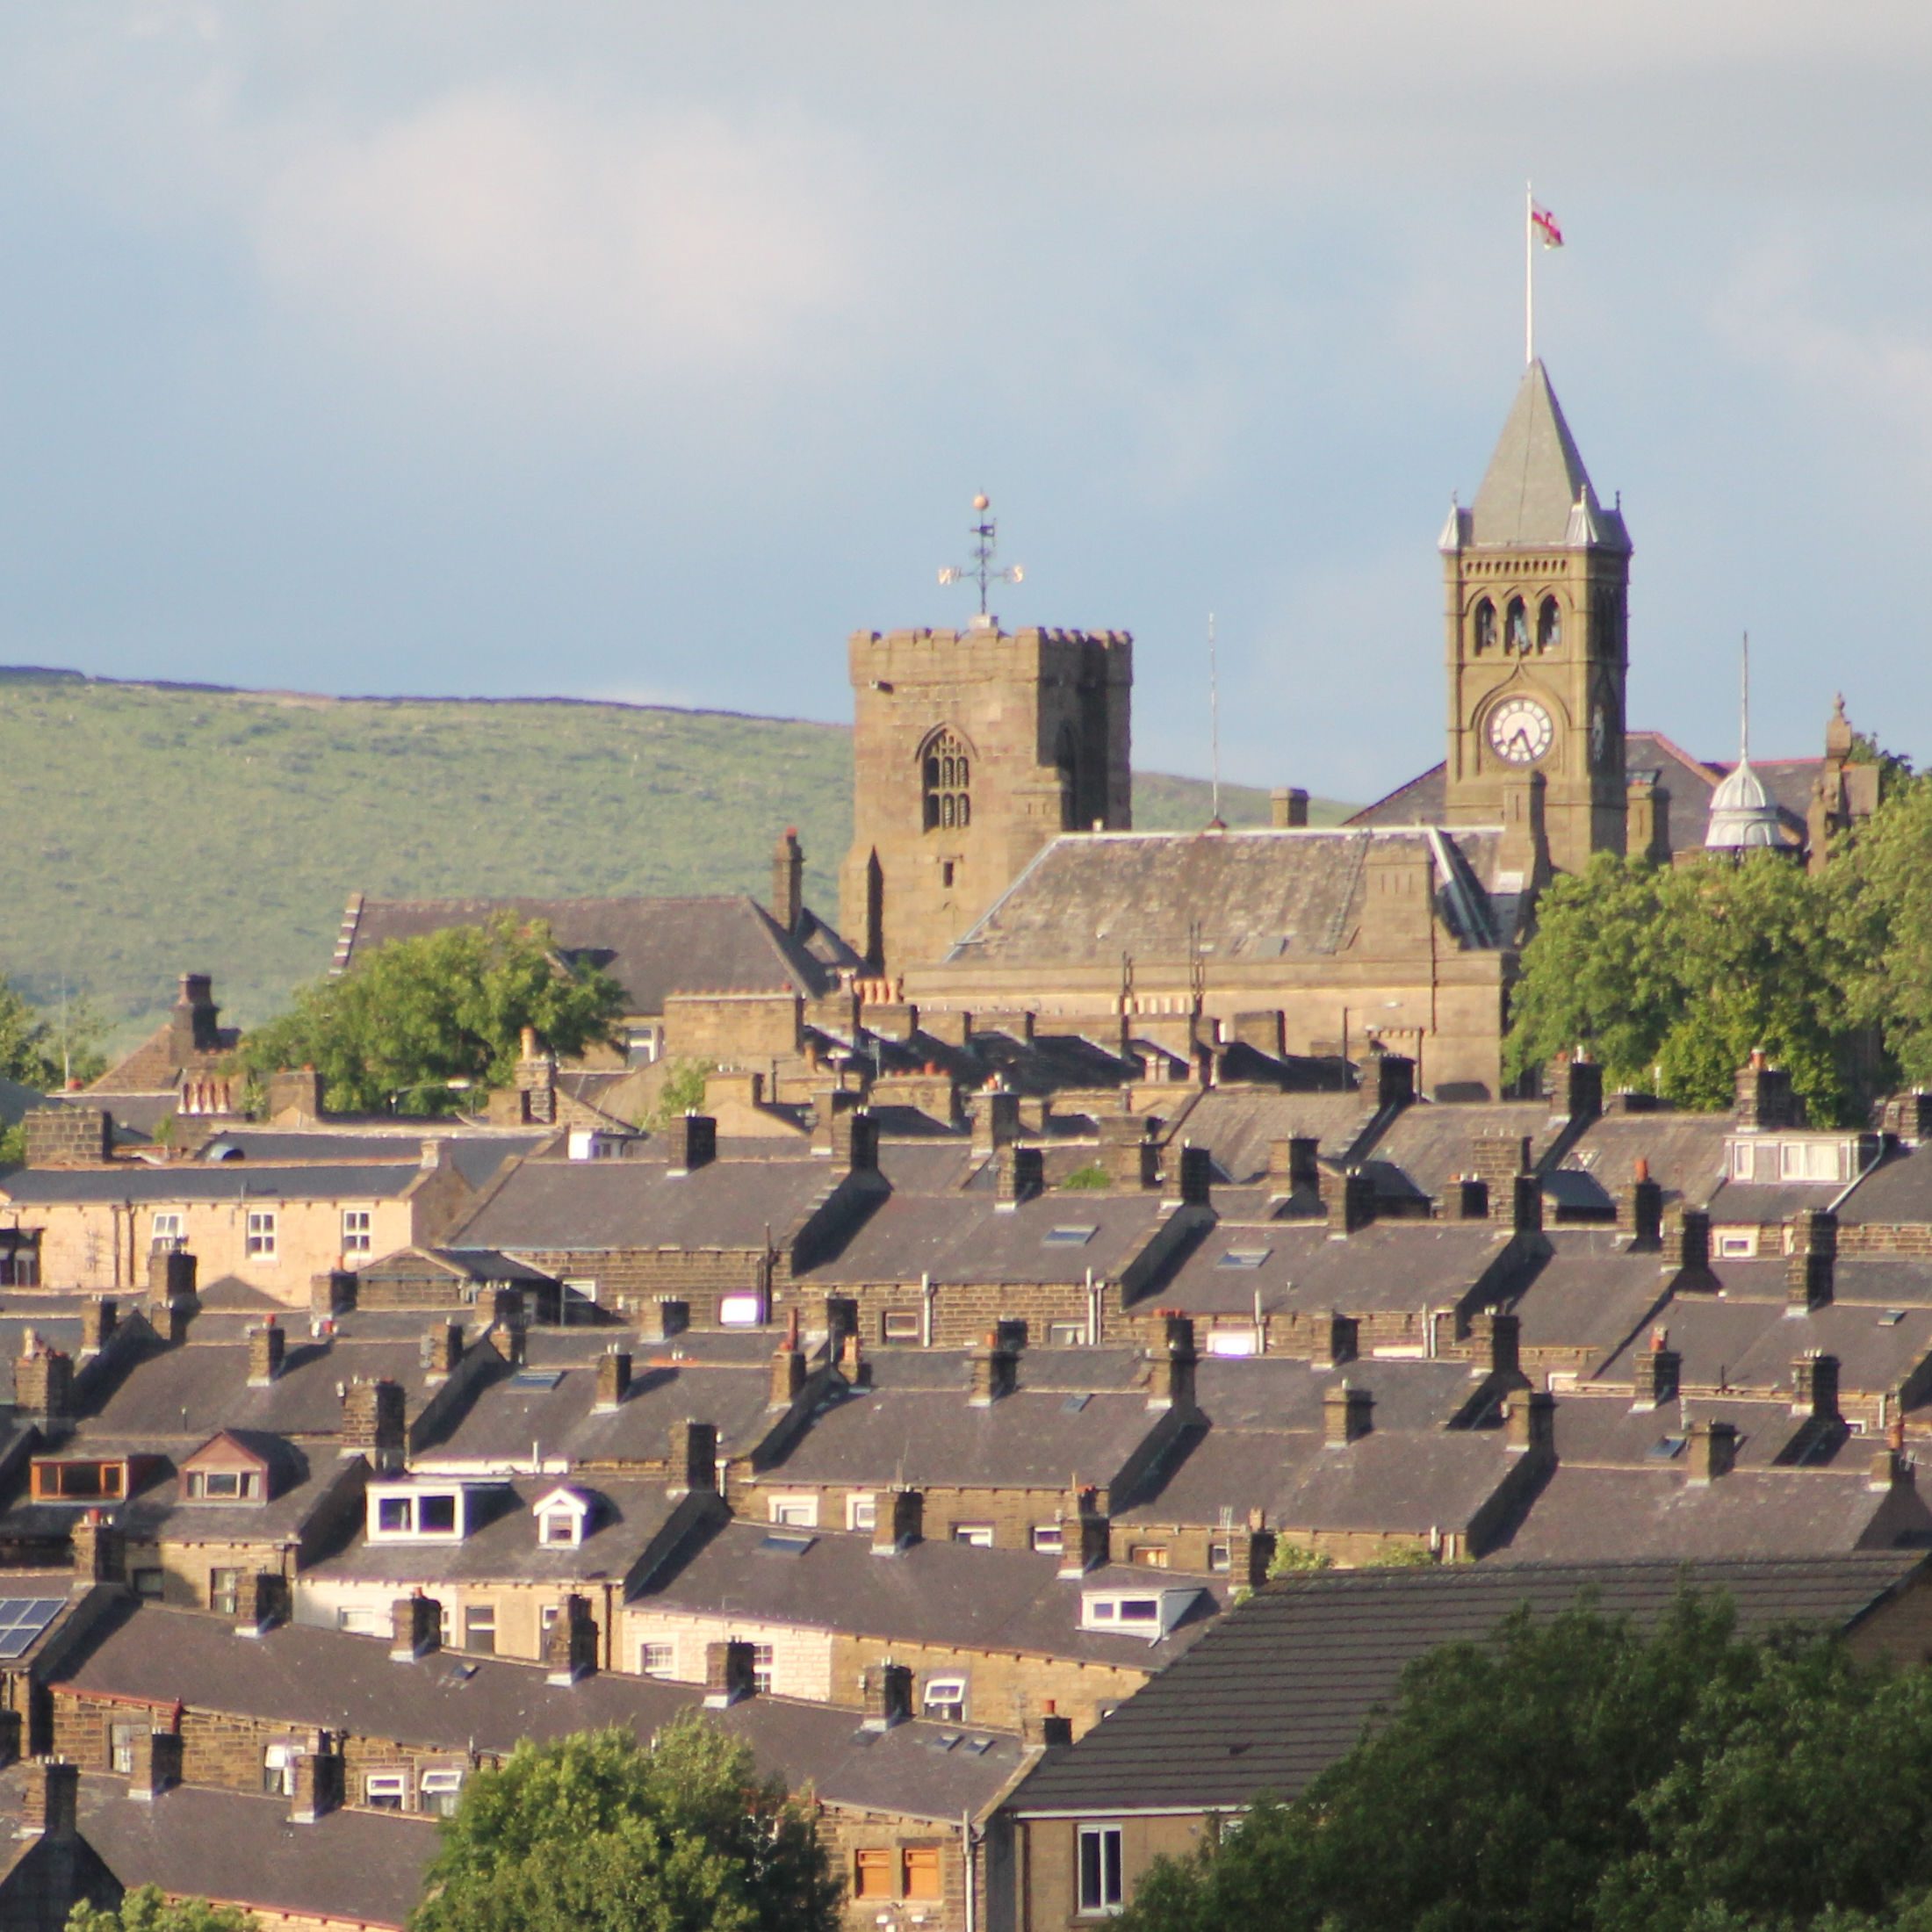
x=523, y=233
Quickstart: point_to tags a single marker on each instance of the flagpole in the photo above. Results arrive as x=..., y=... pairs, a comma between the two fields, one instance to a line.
x=1529, y=273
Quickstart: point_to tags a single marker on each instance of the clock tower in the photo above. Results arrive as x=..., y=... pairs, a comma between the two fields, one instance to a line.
x=1537, y=576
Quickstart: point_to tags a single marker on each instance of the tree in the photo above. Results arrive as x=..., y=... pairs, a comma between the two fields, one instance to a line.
x=422, y=1021
x=147, y=1909
x=45, y=1049
x=1883, y=924
x=1577, y=1775
x=600, y=1832
x=1670, y=977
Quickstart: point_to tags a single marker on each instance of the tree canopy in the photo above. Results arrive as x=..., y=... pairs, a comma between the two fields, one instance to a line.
x=147, y=1909
x=44, y=1048
x=1578, y=1775
x=600, y=1832
x=421, y=1022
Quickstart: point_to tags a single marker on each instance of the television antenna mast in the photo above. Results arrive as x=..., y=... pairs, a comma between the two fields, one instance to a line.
x=981, y=570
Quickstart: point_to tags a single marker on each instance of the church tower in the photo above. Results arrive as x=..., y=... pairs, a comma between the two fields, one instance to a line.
x=1537, y=576
x=970, y=750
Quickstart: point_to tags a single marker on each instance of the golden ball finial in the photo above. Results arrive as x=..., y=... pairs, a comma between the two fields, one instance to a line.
x=982, y=501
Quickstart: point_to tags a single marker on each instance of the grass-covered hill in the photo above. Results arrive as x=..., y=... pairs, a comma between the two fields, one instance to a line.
x=157, y=829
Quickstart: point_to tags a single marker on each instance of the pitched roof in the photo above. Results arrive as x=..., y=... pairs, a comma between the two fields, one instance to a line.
x=1281, y=1688
x=1536, y=479
x=1236, y=897
x=651, y=947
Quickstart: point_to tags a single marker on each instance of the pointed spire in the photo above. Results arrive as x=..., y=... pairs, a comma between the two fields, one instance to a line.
x=1536, y=489
x=1744, y=705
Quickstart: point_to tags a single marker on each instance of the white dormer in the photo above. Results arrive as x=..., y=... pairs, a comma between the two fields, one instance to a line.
x=563, y=1518
x=419, y=1512
x=1130, y=1612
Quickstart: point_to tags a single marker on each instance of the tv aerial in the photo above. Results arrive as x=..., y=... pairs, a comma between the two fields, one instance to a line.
x=982, y=569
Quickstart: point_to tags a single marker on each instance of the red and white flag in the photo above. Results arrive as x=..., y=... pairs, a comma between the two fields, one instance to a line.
x=1544, y=224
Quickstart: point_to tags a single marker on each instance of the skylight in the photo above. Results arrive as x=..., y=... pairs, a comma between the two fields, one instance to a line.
x=1069, y=1236
x=1243, y=1258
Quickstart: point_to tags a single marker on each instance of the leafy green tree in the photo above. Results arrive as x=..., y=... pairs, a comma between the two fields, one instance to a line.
x=44, y=1048
x=600, y=1832
x=1577, y=1775
x=684, y=1088
x=147, y=1909
x=422, y=1021
x=1883, y=924
x=1669, y=976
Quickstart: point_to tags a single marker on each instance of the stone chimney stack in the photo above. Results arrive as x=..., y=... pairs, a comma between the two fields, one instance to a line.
x=1687, y=1247
x=100, y=1550
x=1084, y=1535
x=536, y=1081
x=1658, y=1369
x=1347, y=1414
x=613, y=1379
x=995, y=1372
x=1764, y=1096
x=1811, y=1262
x=1352, y=1207
x=570, y=1646
x=442, y=1350
x=373, y=1424
x=888, y=1695
x=1338, y=1340
x=995, y=1119
x=1127, y=1152
x=416, y=1624
x=1018, y=1175
x=266, y=1347
x=1287, y=808
x=1645, y=1211
x=315, y=1782
x=157, y=1765
x=194, y=1020
x=43, y=1383
x=1197, y=1176
x=788, y=1367
x=1530, y=1423
x=1714, y=1452
x=692, y=1463
x=1526, y=1204
x=729, y=1674
x=1503, y=1333
x=898, y=1522
x=1814, y=1387
x=788, y=881
x=855, y=1140
x=100, y=1314
x=50, y=1799
x=1170, y=1379
x=691, y=1142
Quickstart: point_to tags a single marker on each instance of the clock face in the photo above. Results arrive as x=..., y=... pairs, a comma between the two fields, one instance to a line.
x=1520, y=731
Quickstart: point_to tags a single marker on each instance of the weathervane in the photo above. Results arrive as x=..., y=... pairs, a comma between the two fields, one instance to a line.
x=982, y=565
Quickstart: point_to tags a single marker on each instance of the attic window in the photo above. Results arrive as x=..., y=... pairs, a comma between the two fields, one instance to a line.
x=1069, y=1236
x=561, y=1526
x=411, y=1516
x=224, y=1485
x=1244, y=1258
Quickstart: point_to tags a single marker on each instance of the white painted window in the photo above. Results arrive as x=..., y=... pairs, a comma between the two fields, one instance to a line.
x=357, y=1223
x=761, y=1669
x=385, y=1791
x=741, y=1310
x=980, y=1535
x=261, y=1234
x=1066, y=1334
x=658, y=1660
x=900, y=1325
x=362, y=1620
x=278, y=1769
x=945, y=1699
x=1099, y=1892
x=795, y=1512
x=1231, y=1341
x=397, y=1515
x=862, y=1511
x=167, y=1225
x=559, y=1526
x=1048, y=1538
x=438, y=1791
x=1740, y=1246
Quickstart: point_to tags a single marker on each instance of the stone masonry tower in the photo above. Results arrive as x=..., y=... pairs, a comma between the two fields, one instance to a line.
x=970, y=749
x=1537, y=576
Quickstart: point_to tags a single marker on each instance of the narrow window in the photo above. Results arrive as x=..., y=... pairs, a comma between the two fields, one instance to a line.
x=480, y=1629
x=356, y=1229
x=278, y=1769
x=1517, y=641
x=1549, y=625
x=861, y=1512
x=122, y=1740
x=1099, y=1869
x=225, y=1592
x=761, y=1664
x=946, y=775
x=261, y=1234
x=1485, y=626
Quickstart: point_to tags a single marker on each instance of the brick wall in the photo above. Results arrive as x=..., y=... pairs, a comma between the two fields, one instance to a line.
x=801, y=1657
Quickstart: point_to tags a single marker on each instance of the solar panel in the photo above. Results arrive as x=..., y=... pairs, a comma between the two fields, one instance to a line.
x=22, y=1620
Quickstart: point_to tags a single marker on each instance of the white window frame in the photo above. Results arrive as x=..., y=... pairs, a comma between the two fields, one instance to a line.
x=443, y=1781
x=1066, y=1334
x=1738, y=1245
x=741, y=1310
x=1104, y=1897
x=901, y=1325
x=863, y=1511
x=166, y=1225
x=656, y=1658
x=386, y=1784
x=412, y=1500
x=793, y=1512
x=1232, y=1341
x=358, y=1230
x=280, y=1760
x=979, y=1536
x=361, y=1619
x=943, y=1700
x=1049, y=1538
x=261, y=1236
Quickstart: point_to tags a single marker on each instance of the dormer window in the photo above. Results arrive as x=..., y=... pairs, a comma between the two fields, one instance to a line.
x=406, y=1513
x=1149, y=1613
x=563, y=1518
x=224, y=1485
x=232, y=1468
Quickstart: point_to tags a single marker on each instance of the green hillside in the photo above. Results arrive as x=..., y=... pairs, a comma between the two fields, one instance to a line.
x=160, y=828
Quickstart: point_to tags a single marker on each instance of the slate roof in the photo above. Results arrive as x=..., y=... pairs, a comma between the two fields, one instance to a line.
x=365, y=1867
x=476, y=1155
x=935, y=1592
x=1896, y=1192
x=1242, y=896
x=1282, y=1687
x=1238, y=1125
x=585, y=1206
x=1536, y=478
x=301, y=1675
x=651, y=947
x=240, y=1180
x=1029, y=1440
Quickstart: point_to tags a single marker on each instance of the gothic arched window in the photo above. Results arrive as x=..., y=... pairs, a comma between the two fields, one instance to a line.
x=1485, y=626
x=946, y=782
x=1549, y=625
x=1515, y=636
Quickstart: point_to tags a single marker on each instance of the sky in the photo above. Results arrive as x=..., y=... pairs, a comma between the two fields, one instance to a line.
x=612, y=348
